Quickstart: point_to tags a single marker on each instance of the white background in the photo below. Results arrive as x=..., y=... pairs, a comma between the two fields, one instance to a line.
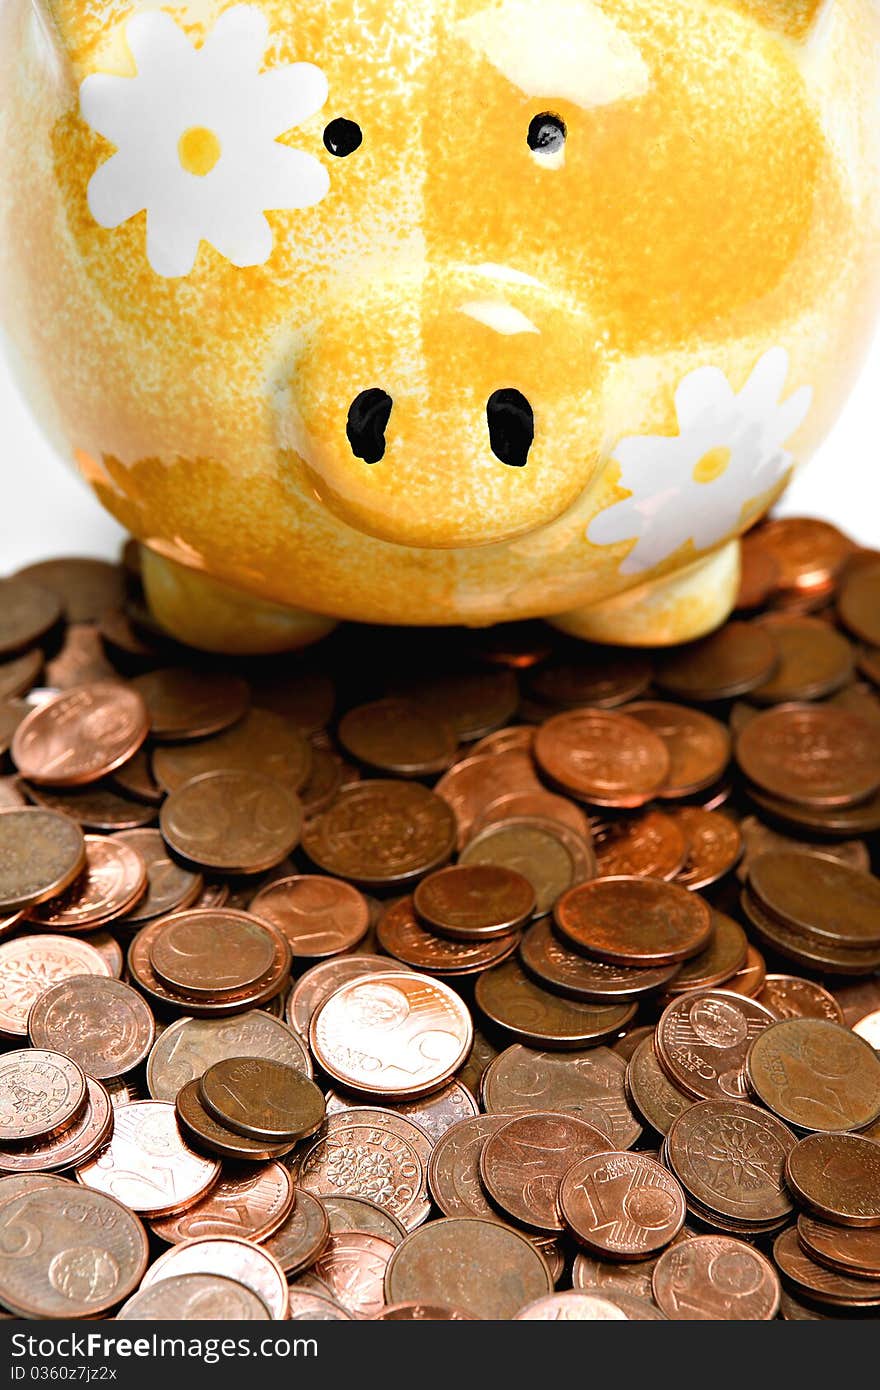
x=46, y=510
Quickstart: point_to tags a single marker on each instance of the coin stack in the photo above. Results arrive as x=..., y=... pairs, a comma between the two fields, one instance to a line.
x=331, y=984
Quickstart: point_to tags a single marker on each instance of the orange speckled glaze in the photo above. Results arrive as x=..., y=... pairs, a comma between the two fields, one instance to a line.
x=683, y=295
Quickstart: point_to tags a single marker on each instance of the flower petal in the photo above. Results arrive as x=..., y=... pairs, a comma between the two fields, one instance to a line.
x=115, y=193
x=160, y=48
x=237, y=42
x=700, y=394
x=282, y=178
x=104, y=105
x=243, y=236
x=761, y=392
x=286, y=96
x=172, y=242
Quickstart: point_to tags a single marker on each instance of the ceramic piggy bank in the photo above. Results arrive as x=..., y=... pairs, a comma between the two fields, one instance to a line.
x=438, y=311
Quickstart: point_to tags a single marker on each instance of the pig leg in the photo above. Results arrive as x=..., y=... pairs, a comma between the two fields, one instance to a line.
x=209, y=614
x=677, y=608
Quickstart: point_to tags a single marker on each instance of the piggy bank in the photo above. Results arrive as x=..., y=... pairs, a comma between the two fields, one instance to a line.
x=419, y=313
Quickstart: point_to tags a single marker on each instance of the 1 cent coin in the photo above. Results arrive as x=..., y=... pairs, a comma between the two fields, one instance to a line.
x=191, y=704
x=401, y=934
x=207, y=1132
x=232, y=821
x=716, y=1278
x=262, y=1099
x=552, y=963
x=847, y=1249
x=467, y=901
x=818, y=1282
x=41, y=854
x=531, y=1014
x=816, y=756
x=621, y=1204
x=601, y=756
x=250, y=1201
x=80, y=735
x=320, y=916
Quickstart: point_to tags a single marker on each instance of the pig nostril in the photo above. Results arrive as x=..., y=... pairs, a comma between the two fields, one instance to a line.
x=511, y=426
x=368, y=417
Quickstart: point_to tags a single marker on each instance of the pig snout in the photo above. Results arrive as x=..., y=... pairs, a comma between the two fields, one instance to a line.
x=448, y=408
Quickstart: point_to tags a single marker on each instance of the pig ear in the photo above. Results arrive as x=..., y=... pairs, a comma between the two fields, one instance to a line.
x=800, y=20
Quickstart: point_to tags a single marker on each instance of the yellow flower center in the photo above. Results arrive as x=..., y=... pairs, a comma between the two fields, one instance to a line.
x=711, y=465
x=198, y=150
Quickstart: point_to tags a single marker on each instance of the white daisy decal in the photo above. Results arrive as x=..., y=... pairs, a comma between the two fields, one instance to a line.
x=729, y=450
x=196, y=132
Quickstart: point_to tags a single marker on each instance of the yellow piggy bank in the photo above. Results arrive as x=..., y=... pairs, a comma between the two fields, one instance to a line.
x=438, y=311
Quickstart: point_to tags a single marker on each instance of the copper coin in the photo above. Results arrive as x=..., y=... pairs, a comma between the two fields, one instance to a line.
x=698, y=745
x=18, y=675
x=420, y=1312
x=232, y=821
x=104, y=1025
x=191, y=704
x=809, y=552
x=170, y=887
x=147, y=1164
x=320, y=981
x=621, y=1204
x=206, y=950
x=817, y=1281
x=98, y=807
x=74, y=1144
x=369, y=1153
x=813, y=952
x=787, y=996
x=41, y=854
x=847, y=1249
x=352, y=1264
x=816, y=756
x=718, y=961
x=531, y=1014
x=261, y=742
x=81, y=735
x=211, y=1135
x=381, y=832
x=591, y=675
x=398, y=736
x=357, y=1214
x=476, y=783
x=716, y=1278
x=647, y=845
x=31, y=964
x=306, y=1306
x=730, y=662
x=703, y=1038
x=185, y=1050
x=113, y=879
x=323, y=783
x=81, y=660
x=541, y=804
x=319, y=916
x=391, y=1034
x=816, y=1075
x=588, y=1084
x=41, y=1092
x=446, y=1262
x=85, y=587
x=523, y=1163
x=634, y=921
x=302, y=1235
x=86, y=1252
x=135, y=778
x=194, y=1298
x=814, y=661
x=858, y=603
x=552, y=963
x=760, y=839
x=628, y=1040
x=837, y=1176
x=473, y=701
x=572, y=1307
x=251, y=1202
x=819, y=897
x=109, y=949
x=839, y=821
x=28, y=612
x=400, y=933
x=513, y=736
x=229, y=1256
x=546, y=853
x=262, y=1099
x=476, y=900
x=714, y=844
x=731, y=1157
x=606, y=758
x=611, y=1278
x=454, y=1169
x=653, y=1094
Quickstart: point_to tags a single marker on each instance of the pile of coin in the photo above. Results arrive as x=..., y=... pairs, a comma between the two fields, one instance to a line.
x=332, y=984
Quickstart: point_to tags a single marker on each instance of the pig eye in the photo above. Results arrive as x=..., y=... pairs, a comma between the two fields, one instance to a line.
x=342, y=137
x=546, y=133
